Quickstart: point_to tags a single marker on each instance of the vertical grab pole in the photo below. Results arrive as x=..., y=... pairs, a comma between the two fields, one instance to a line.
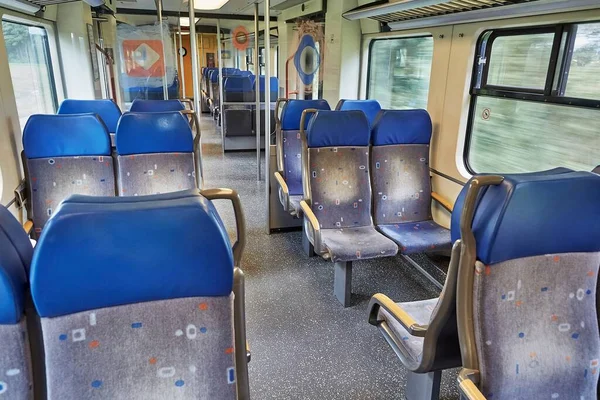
x=196, y=84
x=182, y=69
x=159, y=9
x=220, y=58
x=267, y=30
x=257, y=90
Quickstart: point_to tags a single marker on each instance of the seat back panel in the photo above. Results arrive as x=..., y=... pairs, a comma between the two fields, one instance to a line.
x=542, y=324
x=340, y=186
x=401, y=183
x=16, y=381
x=292, y=160
x=168, y=349
x=54, y=179
x=146, y=174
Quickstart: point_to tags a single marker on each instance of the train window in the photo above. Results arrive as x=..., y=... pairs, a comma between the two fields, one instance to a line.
x=399, y=71
x=30, y=69
x=535, y=100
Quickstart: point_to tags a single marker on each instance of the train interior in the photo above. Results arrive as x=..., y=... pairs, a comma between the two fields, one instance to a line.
x=299, y=199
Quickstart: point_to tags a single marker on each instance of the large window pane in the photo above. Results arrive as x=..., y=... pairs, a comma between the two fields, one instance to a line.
x=519, y=136
x=520, y=61
x=399, y=72
x=584, y=68
x=30, y=69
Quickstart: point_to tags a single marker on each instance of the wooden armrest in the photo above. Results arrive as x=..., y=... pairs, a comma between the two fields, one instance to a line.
x=28, y=226
x=314, y=223
x=405, y=319
x=443, y=202
x=281, y=182
x=470, y=391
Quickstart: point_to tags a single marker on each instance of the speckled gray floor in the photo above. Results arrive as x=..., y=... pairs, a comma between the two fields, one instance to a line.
x=304, y=344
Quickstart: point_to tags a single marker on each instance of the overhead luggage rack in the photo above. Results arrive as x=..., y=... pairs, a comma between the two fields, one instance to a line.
x=403, y=10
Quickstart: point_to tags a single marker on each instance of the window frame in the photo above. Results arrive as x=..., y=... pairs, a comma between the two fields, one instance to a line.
x=369, y=58
x=48, y=56
x=557, y=74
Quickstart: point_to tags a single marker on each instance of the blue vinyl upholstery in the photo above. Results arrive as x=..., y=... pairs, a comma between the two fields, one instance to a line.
x=370, y=107
x=338, y=128
x=108, y=111
x=13, y=276
x=237, y=84
x=165, y=132
x=292, y=112
x=460, y=200
x=65, y=135
x=402, y=127
x=140, y=105
x=69, y=275
x=510, y=211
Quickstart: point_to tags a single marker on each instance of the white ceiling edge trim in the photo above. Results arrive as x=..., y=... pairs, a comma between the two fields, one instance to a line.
x=511, y=11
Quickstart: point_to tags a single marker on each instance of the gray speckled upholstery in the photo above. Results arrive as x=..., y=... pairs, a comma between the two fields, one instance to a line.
x=168, y=349
x=237, y=120
x=536, y=327
x=54, y=179
x=349, y=244
x=421, y=311
x=402, y=195
x=16, y=382
x=292, y=161
x=341, y=201
x=145, y=174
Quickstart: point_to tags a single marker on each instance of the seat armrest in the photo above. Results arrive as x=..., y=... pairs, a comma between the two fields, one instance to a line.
x=28, y=226
x=443, y=202
x=314, y=224
x=240, y=223
x=284, y=189
x=467, y=387
x=379, y=301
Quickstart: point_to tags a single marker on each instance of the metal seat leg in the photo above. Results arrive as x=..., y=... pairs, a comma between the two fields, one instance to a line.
x=342, y=282
x=423, y=386
x=307, y=246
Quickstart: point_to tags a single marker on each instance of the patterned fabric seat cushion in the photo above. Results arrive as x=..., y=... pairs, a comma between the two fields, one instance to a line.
x=421, y=312
x=350, y=244
x=16, y=381
x=292, y=161
x=167, y=349
x=536, y=327
x=147, y=174
x=417, y=237
x=54, y=179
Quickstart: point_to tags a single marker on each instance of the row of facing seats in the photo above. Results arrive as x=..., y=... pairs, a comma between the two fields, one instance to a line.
x=117, y=324
x=71, y=154
x=518, y=310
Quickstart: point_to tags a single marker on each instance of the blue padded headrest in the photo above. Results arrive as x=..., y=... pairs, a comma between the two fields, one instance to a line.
x=273, y=83
x=13, y=276
x=402, y=127
x=108, y=111
x=65, y=135
x=460, y=200
x=140, y=105
x=144, y=133
x=245, y=73
x=120, y=251
x=237, y=84
x=292, y=112
x=370, y=107
x=536, y=215
x=338, y=128
x=14, y=232
x=214, y=76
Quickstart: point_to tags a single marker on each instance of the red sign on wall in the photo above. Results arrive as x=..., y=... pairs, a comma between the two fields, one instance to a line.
x=143, y=58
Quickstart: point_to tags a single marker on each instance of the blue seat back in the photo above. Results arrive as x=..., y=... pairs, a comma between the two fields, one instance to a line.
x=15, y=255
x=65, y=154
x=108, y=111
x=140, y=105
x=291, y=142
x=534, y=290
x=400, y=167
x=338, y=169
x=370, y=107
x=156, y=153
x=237, y=88
x=116, y=279
x=273, y=87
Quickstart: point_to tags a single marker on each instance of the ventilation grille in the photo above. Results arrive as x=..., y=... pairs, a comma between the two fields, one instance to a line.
x=449, y=7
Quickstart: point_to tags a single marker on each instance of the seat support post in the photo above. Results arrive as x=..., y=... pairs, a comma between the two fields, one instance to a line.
x=342, y=282
x=423, y=386
x=307, y=246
